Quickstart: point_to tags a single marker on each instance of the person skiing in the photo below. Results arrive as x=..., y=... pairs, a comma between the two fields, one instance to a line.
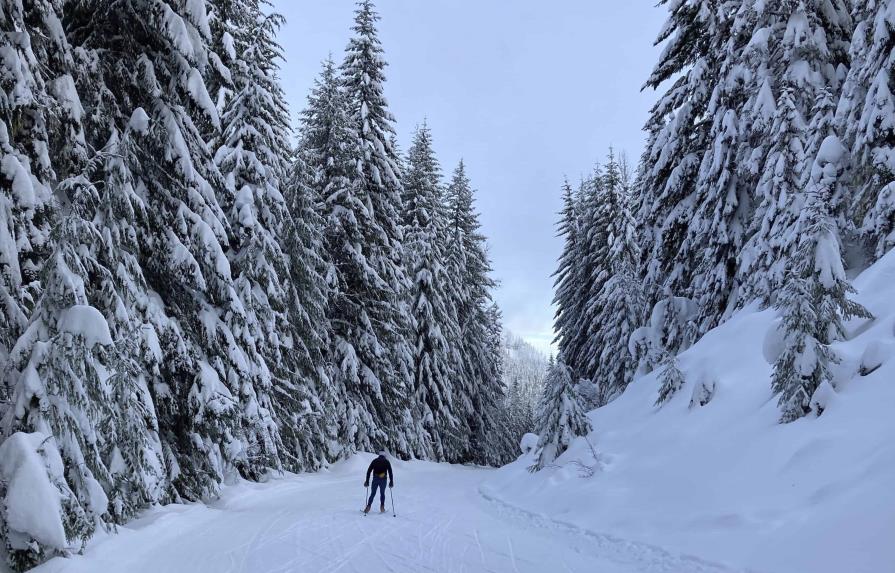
x=379, y=467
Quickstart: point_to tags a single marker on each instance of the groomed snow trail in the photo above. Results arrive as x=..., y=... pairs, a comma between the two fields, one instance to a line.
x=313, y=523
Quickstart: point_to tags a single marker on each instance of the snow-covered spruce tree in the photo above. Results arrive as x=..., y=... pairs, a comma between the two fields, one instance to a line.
x=570, y=279
x=307, y=403
x=160, y=67
x=773, y=239
x=716, y=231
x=478, y=386
x=814, y=302
x=34, y=90
x=579, y=335
x=678, y=134
x=321, y=173
x=795, y=55
x=619, y=302
x=73, y=382
x=363, y=235
x=561, y=416
x=252, y=156
x=460, y=261
x=489, y=442
x=672, y=379
x=430, y=303
x=864, y=117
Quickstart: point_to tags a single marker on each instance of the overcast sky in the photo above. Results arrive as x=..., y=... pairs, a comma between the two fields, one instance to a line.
x=525, y=91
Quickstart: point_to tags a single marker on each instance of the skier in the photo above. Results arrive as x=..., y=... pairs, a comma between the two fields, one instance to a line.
x=379, y=468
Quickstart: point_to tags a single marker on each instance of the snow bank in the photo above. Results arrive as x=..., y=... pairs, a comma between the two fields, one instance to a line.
x=32, y=503
x=726, y=481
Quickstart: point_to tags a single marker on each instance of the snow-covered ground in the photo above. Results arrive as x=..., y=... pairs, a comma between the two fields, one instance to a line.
x=726, y=481
x=313, y=523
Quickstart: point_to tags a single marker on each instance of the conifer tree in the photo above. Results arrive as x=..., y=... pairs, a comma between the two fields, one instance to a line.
x=570, y=279
x=186, y=233
x=561, y=417
x=864, y=117
x=678, y=134
x=672, y=379
x=478, y=386
x=431, y=308
x=36, y=87
x=253, y=157
x=773, y=239
x=797, y=53
x=489, y=442
x=814, y=302
x=620, y=298
x=321, y=173
x=581, y=352
x=72, y=381
x=364, y=245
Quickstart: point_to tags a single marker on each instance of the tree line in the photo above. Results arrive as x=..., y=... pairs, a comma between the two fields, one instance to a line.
x=766, y=177
x=187, y=295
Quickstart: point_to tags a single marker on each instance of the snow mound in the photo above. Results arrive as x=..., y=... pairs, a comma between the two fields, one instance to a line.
x=528, y=443
x=139, y=121
x=713, y=472
x=33, y=504
x=86, y=321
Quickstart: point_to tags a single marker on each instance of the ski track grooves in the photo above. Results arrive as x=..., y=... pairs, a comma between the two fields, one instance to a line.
x=449, y=523
x=645, y=557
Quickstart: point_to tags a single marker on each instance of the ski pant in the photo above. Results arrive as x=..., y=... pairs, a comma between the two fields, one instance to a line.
x=380, y=483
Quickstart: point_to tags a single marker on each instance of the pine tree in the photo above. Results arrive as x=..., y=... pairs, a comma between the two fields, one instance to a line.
x=619, y=303
x=364, y=237
x=478, y=385
x=864, y=116
x=814, y=302
x=672, y=379
x=185, y=236
x=679, y=132
x=36, y=87
x=431, y=308
x=773, y=239
x=561, y=416
x=74, y=382
x=570, y=277
x=581, y=351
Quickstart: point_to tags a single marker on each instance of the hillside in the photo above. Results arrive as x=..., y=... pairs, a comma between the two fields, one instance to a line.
x=726, y=480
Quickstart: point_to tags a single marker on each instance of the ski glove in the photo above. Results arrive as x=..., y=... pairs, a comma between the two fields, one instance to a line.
x=366, y=484
x=391, y=484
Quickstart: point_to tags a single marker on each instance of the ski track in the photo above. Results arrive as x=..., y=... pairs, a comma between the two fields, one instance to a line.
x=447, y=523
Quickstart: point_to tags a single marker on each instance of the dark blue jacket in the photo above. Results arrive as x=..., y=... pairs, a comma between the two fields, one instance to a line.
x=379, y=468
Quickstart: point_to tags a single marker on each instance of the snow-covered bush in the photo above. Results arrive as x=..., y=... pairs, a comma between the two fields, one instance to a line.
x=672, y=379
x=528, y=443
x=703, y=393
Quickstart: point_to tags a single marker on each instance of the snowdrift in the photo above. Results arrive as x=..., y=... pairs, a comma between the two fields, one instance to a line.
x=725, y=480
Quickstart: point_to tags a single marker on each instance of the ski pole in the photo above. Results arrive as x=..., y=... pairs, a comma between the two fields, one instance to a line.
x=391, y=492
x=366, y=491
